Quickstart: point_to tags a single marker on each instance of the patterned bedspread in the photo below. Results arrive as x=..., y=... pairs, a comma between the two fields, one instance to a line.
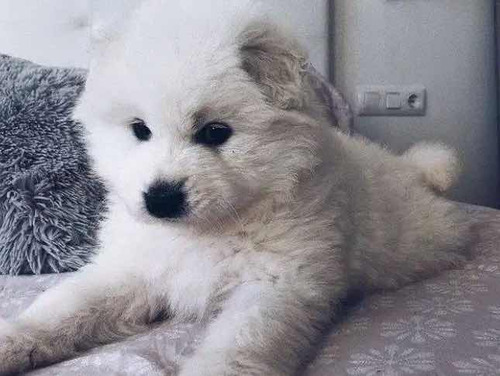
x=449, y=325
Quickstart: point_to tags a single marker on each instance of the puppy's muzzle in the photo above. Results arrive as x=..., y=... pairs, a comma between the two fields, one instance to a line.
x=166, y=200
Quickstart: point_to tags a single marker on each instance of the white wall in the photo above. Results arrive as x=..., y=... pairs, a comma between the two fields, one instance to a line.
x=446, y=45
x=52, y=32
x=307, y=19
x=57, y=32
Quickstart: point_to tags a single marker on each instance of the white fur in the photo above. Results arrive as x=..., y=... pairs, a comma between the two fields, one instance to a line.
x=437, y=162
x=284, y=219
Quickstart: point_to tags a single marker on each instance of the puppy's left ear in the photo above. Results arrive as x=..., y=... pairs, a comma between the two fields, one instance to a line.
x=277, y=63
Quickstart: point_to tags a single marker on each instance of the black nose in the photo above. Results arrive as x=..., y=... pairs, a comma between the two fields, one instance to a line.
x=166, y=200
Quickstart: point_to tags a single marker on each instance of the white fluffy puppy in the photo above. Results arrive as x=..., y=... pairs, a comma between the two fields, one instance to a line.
x=232, y=200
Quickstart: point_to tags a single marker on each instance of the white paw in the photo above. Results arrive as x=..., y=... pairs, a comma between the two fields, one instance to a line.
x=22, y=349
x=15, y=350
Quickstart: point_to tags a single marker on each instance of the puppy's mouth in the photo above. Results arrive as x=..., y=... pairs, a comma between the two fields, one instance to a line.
x=163, y=215
x=142, y=215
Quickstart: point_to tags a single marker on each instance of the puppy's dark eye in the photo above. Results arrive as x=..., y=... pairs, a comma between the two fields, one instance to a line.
x=213, y=134
x=141, y=130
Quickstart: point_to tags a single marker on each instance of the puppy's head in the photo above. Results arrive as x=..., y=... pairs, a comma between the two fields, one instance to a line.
x=197, y=120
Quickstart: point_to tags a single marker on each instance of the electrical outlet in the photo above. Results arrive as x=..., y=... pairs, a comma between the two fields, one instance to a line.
x=383, y=100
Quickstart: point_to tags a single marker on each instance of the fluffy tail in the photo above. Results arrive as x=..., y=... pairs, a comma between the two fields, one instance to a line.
x=437, y=163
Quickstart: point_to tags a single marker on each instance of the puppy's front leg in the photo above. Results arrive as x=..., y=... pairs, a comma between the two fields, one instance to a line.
x=263, y=331
x=95, y=306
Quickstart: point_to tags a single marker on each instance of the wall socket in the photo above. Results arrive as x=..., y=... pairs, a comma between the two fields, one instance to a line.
x=391, y=100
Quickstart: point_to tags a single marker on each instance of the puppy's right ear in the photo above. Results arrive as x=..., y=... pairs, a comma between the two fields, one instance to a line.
x=276, y=62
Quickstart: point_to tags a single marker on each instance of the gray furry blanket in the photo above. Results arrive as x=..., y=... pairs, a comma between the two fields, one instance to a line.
x=50, y=204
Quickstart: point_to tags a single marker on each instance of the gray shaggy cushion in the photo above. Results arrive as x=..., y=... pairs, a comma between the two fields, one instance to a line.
x=50, y=203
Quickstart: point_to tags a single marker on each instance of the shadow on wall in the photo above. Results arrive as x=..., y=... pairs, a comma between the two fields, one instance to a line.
x=497, y=37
